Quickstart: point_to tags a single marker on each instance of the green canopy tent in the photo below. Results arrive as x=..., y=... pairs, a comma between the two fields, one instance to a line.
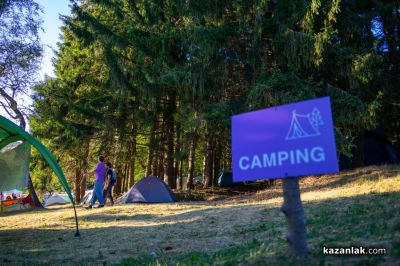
x=15, y=149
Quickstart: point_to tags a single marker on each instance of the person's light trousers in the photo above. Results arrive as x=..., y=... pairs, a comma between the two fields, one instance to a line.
x=97, y=193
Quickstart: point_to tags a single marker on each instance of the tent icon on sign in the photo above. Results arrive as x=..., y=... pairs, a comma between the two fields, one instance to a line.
x=305, y=126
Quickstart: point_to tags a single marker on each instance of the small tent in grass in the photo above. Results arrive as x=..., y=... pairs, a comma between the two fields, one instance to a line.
x=87, y=197
x=378, y=149
x=150, y=189
x=57, y=199
x=225, y=179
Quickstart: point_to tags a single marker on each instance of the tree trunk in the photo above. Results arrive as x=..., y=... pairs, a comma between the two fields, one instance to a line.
x=118, y=185
x=150, y=169
x=208, y=161
x=181, y=176
x=177, y=160
x=155, y=165
x=32, y=191
x=84, y=166
x=226, y=156
x=150, y=159
x=295, y=217
x=229, y=153
x=120, y=167
x=132, y=155
x=169, y=143
x=122, y=179
x=126, y=178
x=192, y=153
x=78, y=177
x=132, y=172
x=160, y=165
x=216, y=161
x=169, y=171
x=223, y=156
x=83, y=187
x=14, y=107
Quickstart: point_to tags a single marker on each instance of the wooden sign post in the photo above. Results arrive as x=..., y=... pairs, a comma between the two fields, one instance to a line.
x=295, y=217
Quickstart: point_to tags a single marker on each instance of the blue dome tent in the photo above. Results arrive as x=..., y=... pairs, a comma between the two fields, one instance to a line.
x=150, y=189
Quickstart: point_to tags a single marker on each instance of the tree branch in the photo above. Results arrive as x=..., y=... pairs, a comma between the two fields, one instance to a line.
x=14, y=107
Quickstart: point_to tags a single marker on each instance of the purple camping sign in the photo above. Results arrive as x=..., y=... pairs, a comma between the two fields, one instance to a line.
x=289, y=140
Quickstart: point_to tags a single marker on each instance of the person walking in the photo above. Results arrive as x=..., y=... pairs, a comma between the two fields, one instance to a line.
x=111, y=179
x=97, y=194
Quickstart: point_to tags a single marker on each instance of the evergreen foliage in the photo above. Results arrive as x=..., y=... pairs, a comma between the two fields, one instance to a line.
x=152, y=84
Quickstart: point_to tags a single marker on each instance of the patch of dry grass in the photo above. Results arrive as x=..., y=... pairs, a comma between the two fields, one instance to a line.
x=338, y=208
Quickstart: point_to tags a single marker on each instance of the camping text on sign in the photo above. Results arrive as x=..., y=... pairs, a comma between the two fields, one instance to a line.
x=289, y=140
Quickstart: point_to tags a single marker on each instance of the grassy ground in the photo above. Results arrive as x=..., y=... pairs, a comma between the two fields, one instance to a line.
x=354, y=208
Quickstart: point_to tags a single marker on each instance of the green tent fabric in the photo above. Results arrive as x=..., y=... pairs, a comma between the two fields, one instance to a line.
x=14, y=165
x=11, y=133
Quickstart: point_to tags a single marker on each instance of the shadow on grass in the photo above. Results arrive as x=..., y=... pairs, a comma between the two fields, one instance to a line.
x=251, y=234
x=219, y=193
x=107, y=217
x=36, y=210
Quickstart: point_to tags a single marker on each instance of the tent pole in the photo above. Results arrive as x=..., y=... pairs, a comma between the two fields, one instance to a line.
x=76, y=221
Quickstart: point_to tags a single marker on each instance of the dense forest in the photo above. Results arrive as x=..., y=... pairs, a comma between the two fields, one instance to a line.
x=152, y=84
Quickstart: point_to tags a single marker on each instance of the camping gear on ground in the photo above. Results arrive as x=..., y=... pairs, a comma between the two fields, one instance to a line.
x=181, y=180
x=15, y=143
x=87, y=197
x=27, y=200
x=198, y=181
x=150, y=189
x=57, y=199
x=10, y=204
x=16, y=204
